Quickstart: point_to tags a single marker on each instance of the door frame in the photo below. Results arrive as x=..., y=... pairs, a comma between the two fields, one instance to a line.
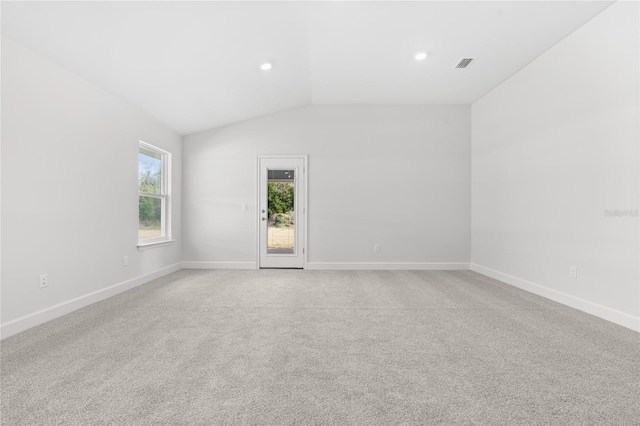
x=305, y=206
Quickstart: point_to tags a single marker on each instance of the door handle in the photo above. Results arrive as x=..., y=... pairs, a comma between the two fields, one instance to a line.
x=264, y=218
x=263, y=211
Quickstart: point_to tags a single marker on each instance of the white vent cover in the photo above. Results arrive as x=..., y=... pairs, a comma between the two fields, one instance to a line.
x=464, y=62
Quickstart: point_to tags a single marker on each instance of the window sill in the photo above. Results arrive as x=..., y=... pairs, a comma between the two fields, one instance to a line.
x=154, y=244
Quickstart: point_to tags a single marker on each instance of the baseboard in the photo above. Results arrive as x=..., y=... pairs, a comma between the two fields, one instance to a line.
x=600, y=311
x=28, y=321
x=218, y=265
x=363, y=266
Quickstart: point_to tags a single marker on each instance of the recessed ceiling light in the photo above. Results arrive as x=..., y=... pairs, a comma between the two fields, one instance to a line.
x=265, y=67
x=420, y=56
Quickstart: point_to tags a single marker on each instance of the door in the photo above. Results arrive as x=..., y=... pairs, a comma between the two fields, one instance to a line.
x=282, y=211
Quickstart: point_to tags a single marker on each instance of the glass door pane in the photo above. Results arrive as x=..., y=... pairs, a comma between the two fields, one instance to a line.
x=281, y=227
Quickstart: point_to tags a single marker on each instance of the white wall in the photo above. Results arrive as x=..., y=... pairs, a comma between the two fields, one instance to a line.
x=553, y=147
x=398, y=176
x=69, y=191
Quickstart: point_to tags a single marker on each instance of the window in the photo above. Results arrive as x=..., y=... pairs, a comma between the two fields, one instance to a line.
x=153, y=195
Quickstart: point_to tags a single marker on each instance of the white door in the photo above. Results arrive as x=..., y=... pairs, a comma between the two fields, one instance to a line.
x=282, y=210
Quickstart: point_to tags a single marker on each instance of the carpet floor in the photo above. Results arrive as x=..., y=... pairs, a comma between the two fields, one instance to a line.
x=294, y=347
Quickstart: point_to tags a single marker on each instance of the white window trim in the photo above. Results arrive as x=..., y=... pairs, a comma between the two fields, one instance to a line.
x=146, y=246
x=164, y=196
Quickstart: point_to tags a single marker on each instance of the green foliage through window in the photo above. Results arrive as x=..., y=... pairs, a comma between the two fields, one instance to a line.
x=149, y=211
x=280, y=197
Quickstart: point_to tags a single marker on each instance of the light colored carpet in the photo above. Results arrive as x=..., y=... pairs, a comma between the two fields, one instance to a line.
x=285, y=347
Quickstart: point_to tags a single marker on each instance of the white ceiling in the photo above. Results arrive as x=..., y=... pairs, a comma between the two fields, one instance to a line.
x=195, y=65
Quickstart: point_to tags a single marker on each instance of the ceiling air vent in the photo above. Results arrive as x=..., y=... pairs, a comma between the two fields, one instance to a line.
x=464, y=62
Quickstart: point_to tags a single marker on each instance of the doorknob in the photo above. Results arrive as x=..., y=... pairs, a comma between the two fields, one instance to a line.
x=263, y=211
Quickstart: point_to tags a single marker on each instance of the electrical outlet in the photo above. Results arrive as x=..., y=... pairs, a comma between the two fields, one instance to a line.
x=573, y=272
x=376, y=247
x=125, y=260
x=44, y=280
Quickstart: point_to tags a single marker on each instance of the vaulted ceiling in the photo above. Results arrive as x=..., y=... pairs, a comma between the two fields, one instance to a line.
x=196, y=65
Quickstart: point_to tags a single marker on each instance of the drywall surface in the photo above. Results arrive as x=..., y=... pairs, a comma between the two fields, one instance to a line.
x=69, y=189
x=555, y=148
x=397, y=176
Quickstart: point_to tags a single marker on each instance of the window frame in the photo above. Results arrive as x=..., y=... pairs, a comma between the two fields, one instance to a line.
x=164, y=197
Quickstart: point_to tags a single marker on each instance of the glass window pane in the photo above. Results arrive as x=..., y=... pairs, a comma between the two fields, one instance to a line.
x=281, y=175
x=149, y=217
x=281, y=204
x=149, y=171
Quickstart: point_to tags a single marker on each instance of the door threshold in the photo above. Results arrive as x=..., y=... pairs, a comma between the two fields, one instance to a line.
x=276, y=267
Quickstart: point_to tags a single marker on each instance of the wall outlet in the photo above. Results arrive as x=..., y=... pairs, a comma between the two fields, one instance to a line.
x=376, y=247
x=573, y=272
x=125, y=260
x=44, y=280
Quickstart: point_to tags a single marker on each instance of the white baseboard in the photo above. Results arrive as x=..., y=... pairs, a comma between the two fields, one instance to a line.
x=600, y=311
x=23, y=323
x=218, y=265
x=363, y=266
